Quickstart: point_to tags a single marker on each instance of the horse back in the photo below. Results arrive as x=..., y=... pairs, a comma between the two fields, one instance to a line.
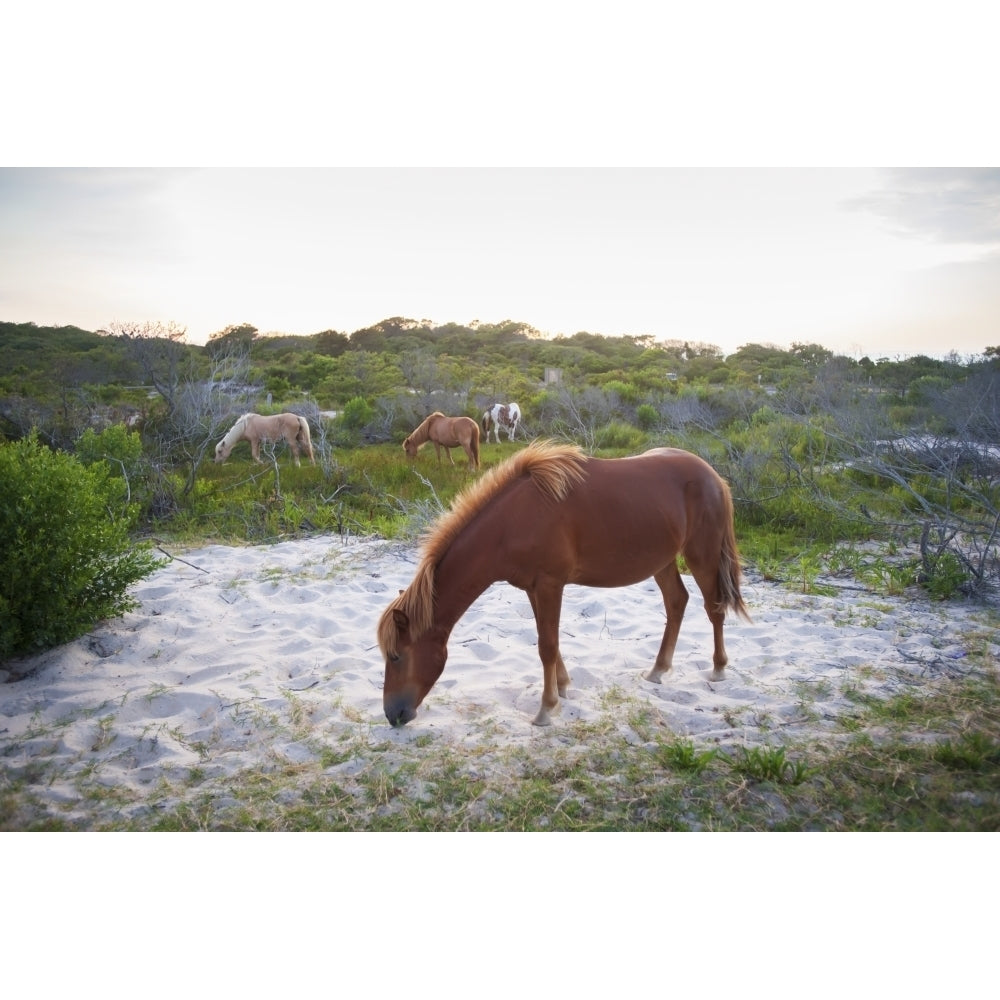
x=627, y=516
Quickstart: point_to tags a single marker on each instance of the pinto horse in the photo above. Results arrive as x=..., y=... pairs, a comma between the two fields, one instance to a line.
x=252, y=427
x=550, y=516
x=446, y=432
x=505, y=415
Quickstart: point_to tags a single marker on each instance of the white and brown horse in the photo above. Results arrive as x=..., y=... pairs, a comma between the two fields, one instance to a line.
x=502, y=415
x=252, y=427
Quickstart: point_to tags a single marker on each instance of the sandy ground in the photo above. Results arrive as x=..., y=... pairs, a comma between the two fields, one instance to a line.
x=231, y=648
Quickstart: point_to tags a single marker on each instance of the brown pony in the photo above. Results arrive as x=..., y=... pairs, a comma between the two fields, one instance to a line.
x=254, y=428
x=446, y=432
x=550, y=516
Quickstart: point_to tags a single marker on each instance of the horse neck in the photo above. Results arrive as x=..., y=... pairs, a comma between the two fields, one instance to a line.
x=235, y=432
x=465, y=571
x=422, y=433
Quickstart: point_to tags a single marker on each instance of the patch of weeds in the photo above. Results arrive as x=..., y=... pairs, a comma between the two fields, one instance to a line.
x=771, y=764
x=944, y=577
x=845, y=559
x=297, y=711
x=104, y=735
x=683, y=755
x=808, y=571
x=973, y=751
x=734, y=716
x=156, y=691
x=612, y=697
x=808, y=692
x=645, y=722
x=888, y=577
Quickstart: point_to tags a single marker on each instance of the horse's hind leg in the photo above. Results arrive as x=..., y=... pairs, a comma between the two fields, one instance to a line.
x=675, y=598
x=708, y=583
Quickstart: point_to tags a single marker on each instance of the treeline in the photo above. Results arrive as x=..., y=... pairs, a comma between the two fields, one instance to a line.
x=506, y=360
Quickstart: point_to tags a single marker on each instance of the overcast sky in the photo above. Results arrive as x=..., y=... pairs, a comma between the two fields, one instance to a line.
x=479, y=166
x=880, y=262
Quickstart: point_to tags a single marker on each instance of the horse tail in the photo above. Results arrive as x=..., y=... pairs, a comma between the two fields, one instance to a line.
x=486, y=422
x=305, y=439
x=730, y=598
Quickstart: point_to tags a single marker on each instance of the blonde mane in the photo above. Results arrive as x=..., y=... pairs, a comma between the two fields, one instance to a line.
x=233, y=435
x=554, y=468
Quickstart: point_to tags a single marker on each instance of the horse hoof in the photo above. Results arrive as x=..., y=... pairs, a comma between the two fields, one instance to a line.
x=544, y=718
x=718, y=674
x=654, y=677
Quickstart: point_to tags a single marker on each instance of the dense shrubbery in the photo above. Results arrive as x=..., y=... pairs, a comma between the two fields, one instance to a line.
x=66, y=556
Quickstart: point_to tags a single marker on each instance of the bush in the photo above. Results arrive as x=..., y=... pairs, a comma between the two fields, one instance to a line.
x=66, y=558
x=619, y=436
x=357, y=413
x=646, y=417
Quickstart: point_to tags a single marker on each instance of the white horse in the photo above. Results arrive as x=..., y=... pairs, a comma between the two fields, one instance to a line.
x=505, y=415
x=252, y=427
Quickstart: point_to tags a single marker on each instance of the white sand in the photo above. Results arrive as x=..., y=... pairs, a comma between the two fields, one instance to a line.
x=237, y=657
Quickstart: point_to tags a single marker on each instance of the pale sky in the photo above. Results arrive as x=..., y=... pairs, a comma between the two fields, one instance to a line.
x=877, y=262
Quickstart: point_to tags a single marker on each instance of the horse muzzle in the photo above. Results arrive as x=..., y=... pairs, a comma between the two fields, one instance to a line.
x=399, y=712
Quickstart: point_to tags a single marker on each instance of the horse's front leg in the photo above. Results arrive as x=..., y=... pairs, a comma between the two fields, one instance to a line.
x=546, y=603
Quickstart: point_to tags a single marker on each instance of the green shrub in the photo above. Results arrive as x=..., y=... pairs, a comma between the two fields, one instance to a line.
x=647, y=417
x=944, y=576
x=357, y=413
x=625, y=391
x=66, y=558
x=620, y=436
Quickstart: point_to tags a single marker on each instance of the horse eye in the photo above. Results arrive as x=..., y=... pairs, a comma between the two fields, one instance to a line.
x=394, y=659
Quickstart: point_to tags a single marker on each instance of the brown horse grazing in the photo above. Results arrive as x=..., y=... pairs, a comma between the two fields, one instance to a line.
x=550, y=516
x=252, y=427
x=446, y=432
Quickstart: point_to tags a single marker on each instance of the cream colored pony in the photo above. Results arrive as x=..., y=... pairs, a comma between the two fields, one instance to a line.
x=252, y=427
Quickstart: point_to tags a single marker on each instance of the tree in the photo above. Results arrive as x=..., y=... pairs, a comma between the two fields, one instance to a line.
x=158, y=349
x=331, y=343
x=205, y=406
x=240, y=337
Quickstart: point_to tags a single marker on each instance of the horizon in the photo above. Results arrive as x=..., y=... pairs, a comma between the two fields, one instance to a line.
x=863, y=262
